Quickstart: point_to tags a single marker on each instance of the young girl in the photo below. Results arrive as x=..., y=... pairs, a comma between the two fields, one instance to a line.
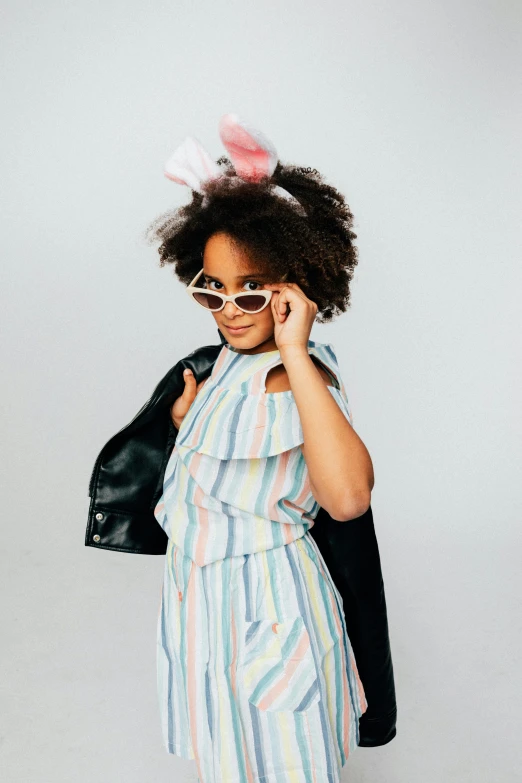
x=257, y=679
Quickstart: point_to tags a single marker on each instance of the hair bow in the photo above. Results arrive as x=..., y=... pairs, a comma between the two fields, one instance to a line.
x=252, y=154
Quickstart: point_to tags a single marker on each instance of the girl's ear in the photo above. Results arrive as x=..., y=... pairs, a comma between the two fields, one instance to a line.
x=252, y=154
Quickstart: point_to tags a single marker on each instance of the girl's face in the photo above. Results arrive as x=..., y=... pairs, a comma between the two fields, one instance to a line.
x=227, y=269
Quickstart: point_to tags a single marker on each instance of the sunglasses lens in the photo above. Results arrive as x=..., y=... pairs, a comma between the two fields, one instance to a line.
x=250, y=303
x=210, y=301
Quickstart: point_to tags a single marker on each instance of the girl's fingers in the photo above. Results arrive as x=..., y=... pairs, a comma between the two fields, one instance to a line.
x=283, y=300
x=190, y=385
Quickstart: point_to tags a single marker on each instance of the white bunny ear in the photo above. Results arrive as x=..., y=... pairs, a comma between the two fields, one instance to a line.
x=191, y=165
x=252, y=154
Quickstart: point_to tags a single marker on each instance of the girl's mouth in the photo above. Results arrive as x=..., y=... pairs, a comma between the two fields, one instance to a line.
x=237, y=330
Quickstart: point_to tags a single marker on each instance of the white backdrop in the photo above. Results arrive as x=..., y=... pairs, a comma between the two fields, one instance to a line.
x=409, y=108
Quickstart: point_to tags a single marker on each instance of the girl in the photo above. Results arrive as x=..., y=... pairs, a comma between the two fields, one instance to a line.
x=257, y=679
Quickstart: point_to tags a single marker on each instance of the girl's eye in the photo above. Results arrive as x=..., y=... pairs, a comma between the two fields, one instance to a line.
x=211, y=283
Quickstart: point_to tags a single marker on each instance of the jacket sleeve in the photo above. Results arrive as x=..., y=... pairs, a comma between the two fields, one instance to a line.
x=351, y=553
x=128, y=473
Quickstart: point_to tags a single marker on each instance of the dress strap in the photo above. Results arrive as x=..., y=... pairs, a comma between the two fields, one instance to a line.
x=325, y=354
x=259, y=380
x=321, y=352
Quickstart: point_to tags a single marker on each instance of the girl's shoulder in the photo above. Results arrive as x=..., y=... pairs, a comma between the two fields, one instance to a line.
x=324, y=358
x=325, y=353
x=277, y=378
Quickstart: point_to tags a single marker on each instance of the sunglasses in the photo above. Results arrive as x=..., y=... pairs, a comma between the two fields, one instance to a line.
x=249, y=302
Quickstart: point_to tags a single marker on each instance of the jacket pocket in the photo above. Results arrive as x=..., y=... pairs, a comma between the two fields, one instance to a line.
x=277, y=666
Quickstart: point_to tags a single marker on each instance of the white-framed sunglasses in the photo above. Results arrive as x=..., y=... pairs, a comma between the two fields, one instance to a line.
x=248, y=301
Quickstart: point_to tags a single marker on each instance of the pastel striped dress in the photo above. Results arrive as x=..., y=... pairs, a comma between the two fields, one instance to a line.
x=257, y=680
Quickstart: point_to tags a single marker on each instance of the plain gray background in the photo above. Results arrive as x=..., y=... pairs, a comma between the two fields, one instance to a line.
x=409, y=108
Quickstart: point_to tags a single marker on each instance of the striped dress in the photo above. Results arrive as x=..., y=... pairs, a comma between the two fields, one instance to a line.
x=257, y=680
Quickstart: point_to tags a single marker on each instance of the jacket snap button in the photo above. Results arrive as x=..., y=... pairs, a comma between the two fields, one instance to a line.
x=180, y=595
x=96, y=537
x=274, y=627
x=99, y=516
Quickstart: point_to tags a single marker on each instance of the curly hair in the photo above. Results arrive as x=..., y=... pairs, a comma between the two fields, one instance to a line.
x=315, y=250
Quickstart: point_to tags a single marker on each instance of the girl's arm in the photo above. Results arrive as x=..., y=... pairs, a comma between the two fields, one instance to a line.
x=338, y=462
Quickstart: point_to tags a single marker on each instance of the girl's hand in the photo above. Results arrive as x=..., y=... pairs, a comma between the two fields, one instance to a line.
x=292, y=329
x=179, y=408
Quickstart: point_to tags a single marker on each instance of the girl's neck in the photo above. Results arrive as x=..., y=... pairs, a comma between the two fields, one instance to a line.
x=268, y=346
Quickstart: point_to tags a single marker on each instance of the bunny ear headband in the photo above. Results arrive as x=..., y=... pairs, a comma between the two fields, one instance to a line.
x=252, y=154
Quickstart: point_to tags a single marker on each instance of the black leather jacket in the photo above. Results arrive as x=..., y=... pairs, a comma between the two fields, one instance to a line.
x=127, y=482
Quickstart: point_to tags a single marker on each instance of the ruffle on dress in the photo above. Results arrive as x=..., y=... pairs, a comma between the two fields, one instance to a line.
x=228, y=424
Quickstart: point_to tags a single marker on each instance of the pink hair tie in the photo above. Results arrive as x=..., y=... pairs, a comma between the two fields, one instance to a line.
x=252, y=154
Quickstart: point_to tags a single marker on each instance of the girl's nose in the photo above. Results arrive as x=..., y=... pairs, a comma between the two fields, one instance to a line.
x=230, y=309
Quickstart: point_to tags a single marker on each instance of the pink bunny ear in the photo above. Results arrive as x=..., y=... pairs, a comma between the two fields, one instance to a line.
x=191, y=165
x=252, y=154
